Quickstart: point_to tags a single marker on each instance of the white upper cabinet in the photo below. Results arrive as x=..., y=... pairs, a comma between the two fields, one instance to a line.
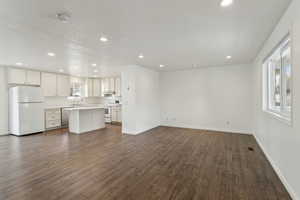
x=96, y=87
x=23, y=77
x=16, y=76
x=118, y=86
x=79, y=87
x=111, y=85
x=104, y=85
x=33, y=78
x=111, y=82
x=63, y=86
x=49, y=84
x=90, y=87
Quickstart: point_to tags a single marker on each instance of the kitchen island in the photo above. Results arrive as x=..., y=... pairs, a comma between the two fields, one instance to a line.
x=85, y=119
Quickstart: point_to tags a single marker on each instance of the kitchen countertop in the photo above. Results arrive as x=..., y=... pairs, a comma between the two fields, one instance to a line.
x=48, y=107
x=84, y=108
x=57, y=106
x=117, y=104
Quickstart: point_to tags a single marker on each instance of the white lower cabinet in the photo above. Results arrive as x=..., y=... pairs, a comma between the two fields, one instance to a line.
x=116, y=114
x=53, y=118
x=119, y=115
x=113, y=115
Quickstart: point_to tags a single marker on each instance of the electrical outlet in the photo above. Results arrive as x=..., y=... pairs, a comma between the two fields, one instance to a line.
x=228, y=122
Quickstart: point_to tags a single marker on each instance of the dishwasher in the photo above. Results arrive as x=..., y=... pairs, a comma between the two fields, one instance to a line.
x=64, y=118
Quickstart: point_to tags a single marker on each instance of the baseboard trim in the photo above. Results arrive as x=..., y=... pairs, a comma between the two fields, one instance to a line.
x=277, y=170
x=210, y=129
x=4, y=133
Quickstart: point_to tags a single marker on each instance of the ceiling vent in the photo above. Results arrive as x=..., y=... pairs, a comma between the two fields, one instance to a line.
x=64, y=17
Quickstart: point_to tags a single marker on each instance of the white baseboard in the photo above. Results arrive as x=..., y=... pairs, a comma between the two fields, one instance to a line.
x=209, y=129
x=277, y=170
x=4, y=132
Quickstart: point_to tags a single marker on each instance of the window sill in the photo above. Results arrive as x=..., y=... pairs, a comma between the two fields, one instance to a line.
x=279, y=117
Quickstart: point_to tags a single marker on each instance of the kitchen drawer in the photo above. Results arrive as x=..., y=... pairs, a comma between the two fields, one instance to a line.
x=53, y=116
x=53, y=124
x=53, y=111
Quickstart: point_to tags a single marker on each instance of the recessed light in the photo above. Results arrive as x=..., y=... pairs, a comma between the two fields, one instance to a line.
x=141, y=56
x=94, y=64
x=19, y=64
x=228, y=57
x=61, y=70
x=95, y=70
x=161, y=65
x=103, y=39
x=225, y=3
x=51, y=54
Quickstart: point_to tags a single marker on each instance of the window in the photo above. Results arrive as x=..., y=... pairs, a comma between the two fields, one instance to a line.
x=278, y=81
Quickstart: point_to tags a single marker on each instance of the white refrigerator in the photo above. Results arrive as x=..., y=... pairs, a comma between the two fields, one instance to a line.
x=26, y=110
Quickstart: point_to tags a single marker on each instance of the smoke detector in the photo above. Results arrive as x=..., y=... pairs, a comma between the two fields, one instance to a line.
x=64, y=17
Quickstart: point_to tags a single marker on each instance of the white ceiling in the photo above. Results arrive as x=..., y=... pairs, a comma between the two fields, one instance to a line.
x=177, y=33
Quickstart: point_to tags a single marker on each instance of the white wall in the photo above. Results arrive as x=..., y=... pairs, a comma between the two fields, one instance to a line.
x=280, y=141
x=140, y=96
x=3, y=102
x=215, y=98
x=147, y=99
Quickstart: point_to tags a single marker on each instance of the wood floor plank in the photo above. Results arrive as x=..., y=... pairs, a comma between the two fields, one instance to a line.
x=163, y=163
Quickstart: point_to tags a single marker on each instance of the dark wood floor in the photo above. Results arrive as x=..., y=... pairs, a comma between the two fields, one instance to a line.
x=165, y=163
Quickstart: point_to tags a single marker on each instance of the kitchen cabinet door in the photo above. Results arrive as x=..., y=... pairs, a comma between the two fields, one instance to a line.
x=96, y=87
x=16, y=76
x=118, y=86
x=90, y=87
x=119, y=115
x=79, y=86
x=114, y=114
x=63, y=86
x=104, y=85
x=111, y=82
x=49, y=84
x=53, y=118
x=33, y=78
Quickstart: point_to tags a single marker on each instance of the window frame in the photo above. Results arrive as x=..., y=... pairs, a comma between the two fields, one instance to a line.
x=281, y=114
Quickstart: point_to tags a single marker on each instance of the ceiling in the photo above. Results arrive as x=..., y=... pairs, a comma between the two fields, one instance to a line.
x=178, y=34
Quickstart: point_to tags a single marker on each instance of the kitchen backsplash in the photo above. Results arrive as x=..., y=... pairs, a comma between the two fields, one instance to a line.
x=64, y=101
